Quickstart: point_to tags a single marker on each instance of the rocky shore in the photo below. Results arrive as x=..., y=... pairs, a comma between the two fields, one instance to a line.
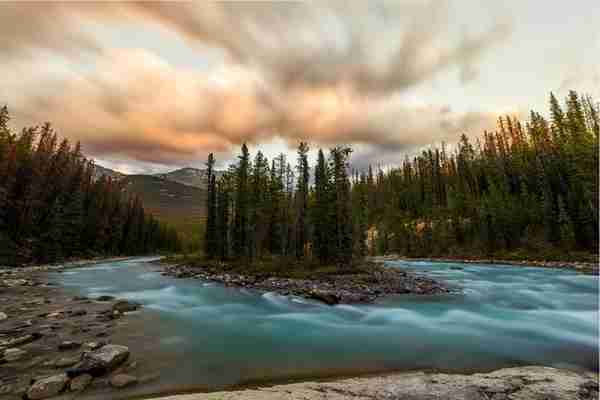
x=364, y=286
x=523, y=383
x=52, y=343
x=580, y=266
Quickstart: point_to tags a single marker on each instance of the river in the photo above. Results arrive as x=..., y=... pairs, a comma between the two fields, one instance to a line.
x=204, y=335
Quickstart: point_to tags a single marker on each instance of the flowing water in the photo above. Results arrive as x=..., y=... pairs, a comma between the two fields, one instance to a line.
x=211, y=335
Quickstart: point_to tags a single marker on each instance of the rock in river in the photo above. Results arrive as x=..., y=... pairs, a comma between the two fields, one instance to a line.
x=123, y=306
x=122, y=380
x=101, y=361
x=326, y=297
x=47, y=387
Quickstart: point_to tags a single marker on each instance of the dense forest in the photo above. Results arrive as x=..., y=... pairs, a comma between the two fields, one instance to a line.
x=51, y=207
x=529, y=189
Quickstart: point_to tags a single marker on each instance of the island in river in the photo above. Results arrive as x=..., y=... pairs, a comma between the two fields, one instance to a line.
x=211, y=331
x=361, y=283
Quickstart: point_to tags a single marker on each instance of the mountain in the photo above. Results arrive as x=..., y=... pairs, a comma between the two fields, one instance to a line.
x=165, y=198
x=189, y=176
x=99, y=171
x=177, y=197
x=182, y=206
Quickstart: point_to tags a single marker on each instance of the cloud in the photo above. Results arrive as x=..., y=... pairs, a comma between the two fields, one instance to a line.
x=28, y=27
x=373, y=46
x=327, y=72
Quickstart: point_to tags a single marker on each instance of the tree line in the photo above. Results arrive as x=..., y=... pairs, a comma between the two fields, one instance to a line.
x=52, y=207
x=528, y=187
x=259, y=208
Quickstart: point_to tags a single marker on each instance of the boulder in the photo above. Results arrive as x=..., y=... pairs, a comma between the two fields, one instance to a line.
x=326, y=297
x=80, y=382
x=101, y=361
x=123, y=306
x=47, y=387
x=122, y=380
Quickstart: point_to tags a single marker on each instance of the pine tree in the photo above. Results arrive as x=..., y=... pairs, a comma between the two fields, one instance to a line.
x=302, y=200
x=210, y=236
x=240, y=229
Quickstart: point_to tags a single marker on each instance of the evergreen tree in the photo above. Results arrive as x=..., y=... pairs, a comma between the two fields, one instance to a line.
x=211, y=210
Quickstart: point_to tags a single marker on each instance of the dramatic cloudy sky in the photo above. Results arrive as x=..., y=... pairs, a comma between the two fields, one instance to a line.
x=151, y=86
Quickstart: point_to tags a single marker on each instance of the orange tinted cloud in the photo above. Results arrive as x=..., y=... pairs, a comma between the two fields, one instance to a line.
x=324, y=72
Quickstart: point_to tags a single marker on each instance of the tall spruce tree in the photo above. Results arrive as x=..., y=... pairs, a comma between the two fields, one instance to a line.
x=210, y=236
x=302, y=200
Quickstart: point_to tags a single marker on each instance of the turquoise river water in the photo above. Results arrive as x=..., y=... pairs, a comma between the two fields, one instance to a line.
x=217, y=336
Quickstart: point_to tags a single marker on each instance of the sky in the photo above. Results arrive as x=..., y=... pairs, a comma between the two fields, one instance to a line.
x=152, y=86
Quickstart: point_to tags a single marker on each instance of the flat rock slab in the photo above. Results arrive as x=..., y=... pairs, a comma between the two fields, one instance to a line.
x=524, y=383
x=47, y=387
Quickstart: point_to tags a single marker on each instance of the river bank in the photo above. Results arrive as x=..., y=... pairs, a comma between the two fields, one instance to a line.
x=364, y=284
x=52, y=341
x=522, y=383
x=579, y=266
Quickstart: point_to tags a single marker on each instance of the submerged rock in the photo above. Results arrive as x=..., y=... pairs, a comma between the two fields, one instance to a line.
x=123, y=306
x=47, y=387
x=101, y=361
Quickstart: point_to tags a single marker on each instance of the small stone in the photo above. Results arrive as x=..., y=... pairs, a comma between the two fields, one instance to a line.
x=47, y=387
x=93, y=345
x=13, y=354
x=79, y=383
x=64, y=362
x=3, y=316
x=69, y=345
x=122, y=380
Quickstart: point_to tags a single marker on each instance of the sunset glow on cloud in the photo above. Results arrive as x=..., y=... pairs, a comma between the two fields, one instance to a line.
x=162, y=84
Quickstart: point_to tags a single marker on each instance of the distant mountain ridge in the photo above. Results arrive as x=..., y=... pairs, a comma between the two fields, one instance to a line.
x=189, y=176
x=99, y=171
x=177, y=197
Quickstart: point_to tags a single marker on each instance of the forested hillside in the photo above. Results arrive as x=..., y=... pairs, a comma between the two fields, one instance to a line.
x=51, y=208
x=179, y=205
x=529, y=189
